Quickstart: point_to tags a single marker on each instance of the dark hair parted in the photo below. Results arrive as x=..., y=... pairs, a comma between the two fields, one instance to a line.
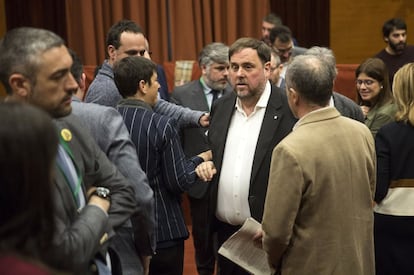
x=28, y=146
x=376, y=69
x=393, y=24
x=312, y=77
x=20, y=50
x=263, y=50
x=129, y=71
x=114, y=34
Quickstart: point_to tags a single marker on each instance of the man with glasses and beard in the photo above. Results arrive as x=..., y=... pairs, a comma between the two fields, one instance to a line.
x=397, y=53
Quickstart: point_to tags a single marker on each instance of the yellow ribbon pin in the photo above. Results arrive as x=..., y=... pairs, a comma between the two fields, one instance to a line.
x=66, y=135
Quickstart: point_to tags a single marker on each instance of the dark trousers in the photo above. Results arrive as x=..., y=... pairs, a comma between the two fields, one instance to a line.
x=204, y=241
x=168, y=261
x=225, y=266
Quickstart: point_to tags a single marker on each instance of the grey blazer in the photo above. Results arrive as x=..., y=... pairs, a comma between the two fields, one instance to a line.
x=110, y=133
x=81, y=233
x=194, y=140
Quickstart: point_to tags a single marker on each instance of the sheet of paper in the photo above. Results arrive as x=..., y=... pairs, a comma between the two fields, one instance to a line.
x=240, y=249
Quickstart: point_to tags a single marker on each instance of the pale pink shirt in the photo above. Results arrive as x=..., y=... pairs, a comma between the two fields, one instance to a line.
x=234, y=182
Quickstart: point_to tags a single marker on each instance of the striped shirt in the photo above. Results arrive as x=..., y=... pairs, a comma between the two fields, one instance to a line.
x=161, y=156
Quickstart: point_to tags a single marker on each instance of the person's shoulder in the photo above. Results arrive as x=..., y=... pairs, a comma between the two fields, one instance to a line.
x=185, y=88
x=381, y=54
x=344, y=99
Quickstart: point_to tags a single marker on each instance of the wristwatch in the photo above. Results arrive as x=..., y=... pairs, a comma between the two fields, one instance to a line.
x=102, y=192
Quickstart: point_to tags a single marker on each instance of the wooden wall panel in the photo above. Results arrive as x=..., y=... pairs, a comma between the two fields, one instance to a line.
x=356, y=26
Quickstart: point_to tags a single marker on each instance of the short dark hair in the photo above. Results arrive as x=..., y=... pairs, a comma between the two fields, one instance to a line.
x=77, y=66
x=114, y=34
x=263, y=50
x=393, y=24
x=28, y=146
x=273, y=19
x=129, y=71
x=282, y=32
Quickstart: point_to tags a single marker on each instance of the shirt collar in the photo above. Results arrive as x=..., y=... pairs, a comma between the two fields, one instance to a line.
x=261, y=103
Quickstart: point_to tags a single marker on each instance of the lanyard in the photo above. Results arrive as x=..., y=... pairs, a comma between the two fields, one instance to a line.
x=76, y=189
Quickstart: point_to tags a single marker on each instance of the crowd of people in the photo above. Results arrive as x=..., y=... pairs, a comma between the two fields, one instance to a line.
x=93, y=179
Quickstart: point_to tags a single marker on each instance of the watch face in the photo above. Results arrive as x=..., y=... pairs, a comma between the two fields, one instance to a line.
x=102, y=192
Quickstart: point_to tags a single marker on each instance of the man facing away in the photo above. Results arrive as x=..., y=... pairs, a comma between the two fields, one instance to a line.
x=343, y=104
x=318, y=215
x=200, y=95
x=397, y=53
x=245, y=127
x=91, y=196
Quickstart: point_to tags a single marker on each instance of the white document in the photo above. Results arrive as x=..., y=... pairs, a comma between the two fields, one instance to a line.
x=240, y=249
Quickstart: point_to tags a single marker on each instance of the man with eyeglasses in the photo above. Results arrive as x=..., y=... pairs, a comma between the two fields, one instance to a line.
x=125, y=38
x=397, y=53
x=282, y=43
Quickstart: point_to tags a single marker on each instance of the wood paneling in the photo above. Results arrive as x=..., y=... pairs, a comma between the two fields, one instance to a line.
x=356, y=26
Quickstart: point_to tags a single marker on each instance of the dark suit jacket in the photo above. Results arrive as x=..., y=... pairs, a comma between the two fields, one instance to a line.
x=277, y=123
x=347, y=107
x=194, y=140
x=79, y=233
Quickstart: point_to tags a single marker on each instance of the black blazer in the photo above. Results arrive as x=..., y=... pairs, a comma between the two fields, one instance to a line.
x=277, y=123
x=194, y=140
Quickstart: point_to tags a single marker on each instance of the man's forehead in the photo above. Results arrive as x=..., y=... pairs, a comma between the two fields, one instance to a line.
x=398, y=31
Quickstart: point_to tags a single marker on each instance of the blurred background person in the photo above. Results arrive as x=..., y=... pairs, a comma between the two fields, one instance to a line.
x=276, y=68
x=397, y=52
x=28, y=147
x=374, y=94
x=269, y=22
x=394, y=212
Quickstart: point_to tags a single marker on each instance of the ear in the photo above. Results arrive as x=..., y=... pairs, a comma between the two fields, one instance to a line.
x=142, y=87
x=204, y=69
x=294, y=95
x=267, y=67
x=20, y=85
x=82, y=82
x=111, y=52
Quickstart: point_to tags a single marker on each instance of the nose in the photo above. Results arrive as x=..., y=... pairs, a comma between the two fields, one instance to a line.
x=71, y=84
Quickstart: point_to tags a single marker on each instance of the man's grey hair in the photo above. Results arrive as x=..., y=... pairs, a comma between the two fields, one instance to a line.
x=325, y=54
x=312, y=77
x=20, y=51
x=214, y=53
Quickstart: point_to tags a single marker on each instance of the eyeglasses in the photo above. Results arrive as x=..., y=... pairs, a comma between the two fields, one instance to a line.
x=367, y=82
x=283, y=51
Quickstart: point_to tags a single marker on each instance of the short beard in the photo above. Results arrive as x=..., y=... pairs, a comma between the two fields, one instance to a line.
x=396, y=49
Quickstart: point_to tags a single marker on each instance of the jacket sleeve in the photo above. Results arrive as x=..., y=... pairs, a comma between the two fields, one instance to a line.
x=185, y=117
x=121, y=151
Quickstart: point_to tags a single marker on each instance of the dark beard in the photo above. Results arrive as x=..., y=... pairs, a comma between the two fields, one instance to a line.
x=398, y=48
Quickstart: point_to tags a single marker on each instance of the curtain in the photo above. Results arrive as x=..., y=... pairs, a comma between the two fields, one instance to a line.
x=176, y=29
